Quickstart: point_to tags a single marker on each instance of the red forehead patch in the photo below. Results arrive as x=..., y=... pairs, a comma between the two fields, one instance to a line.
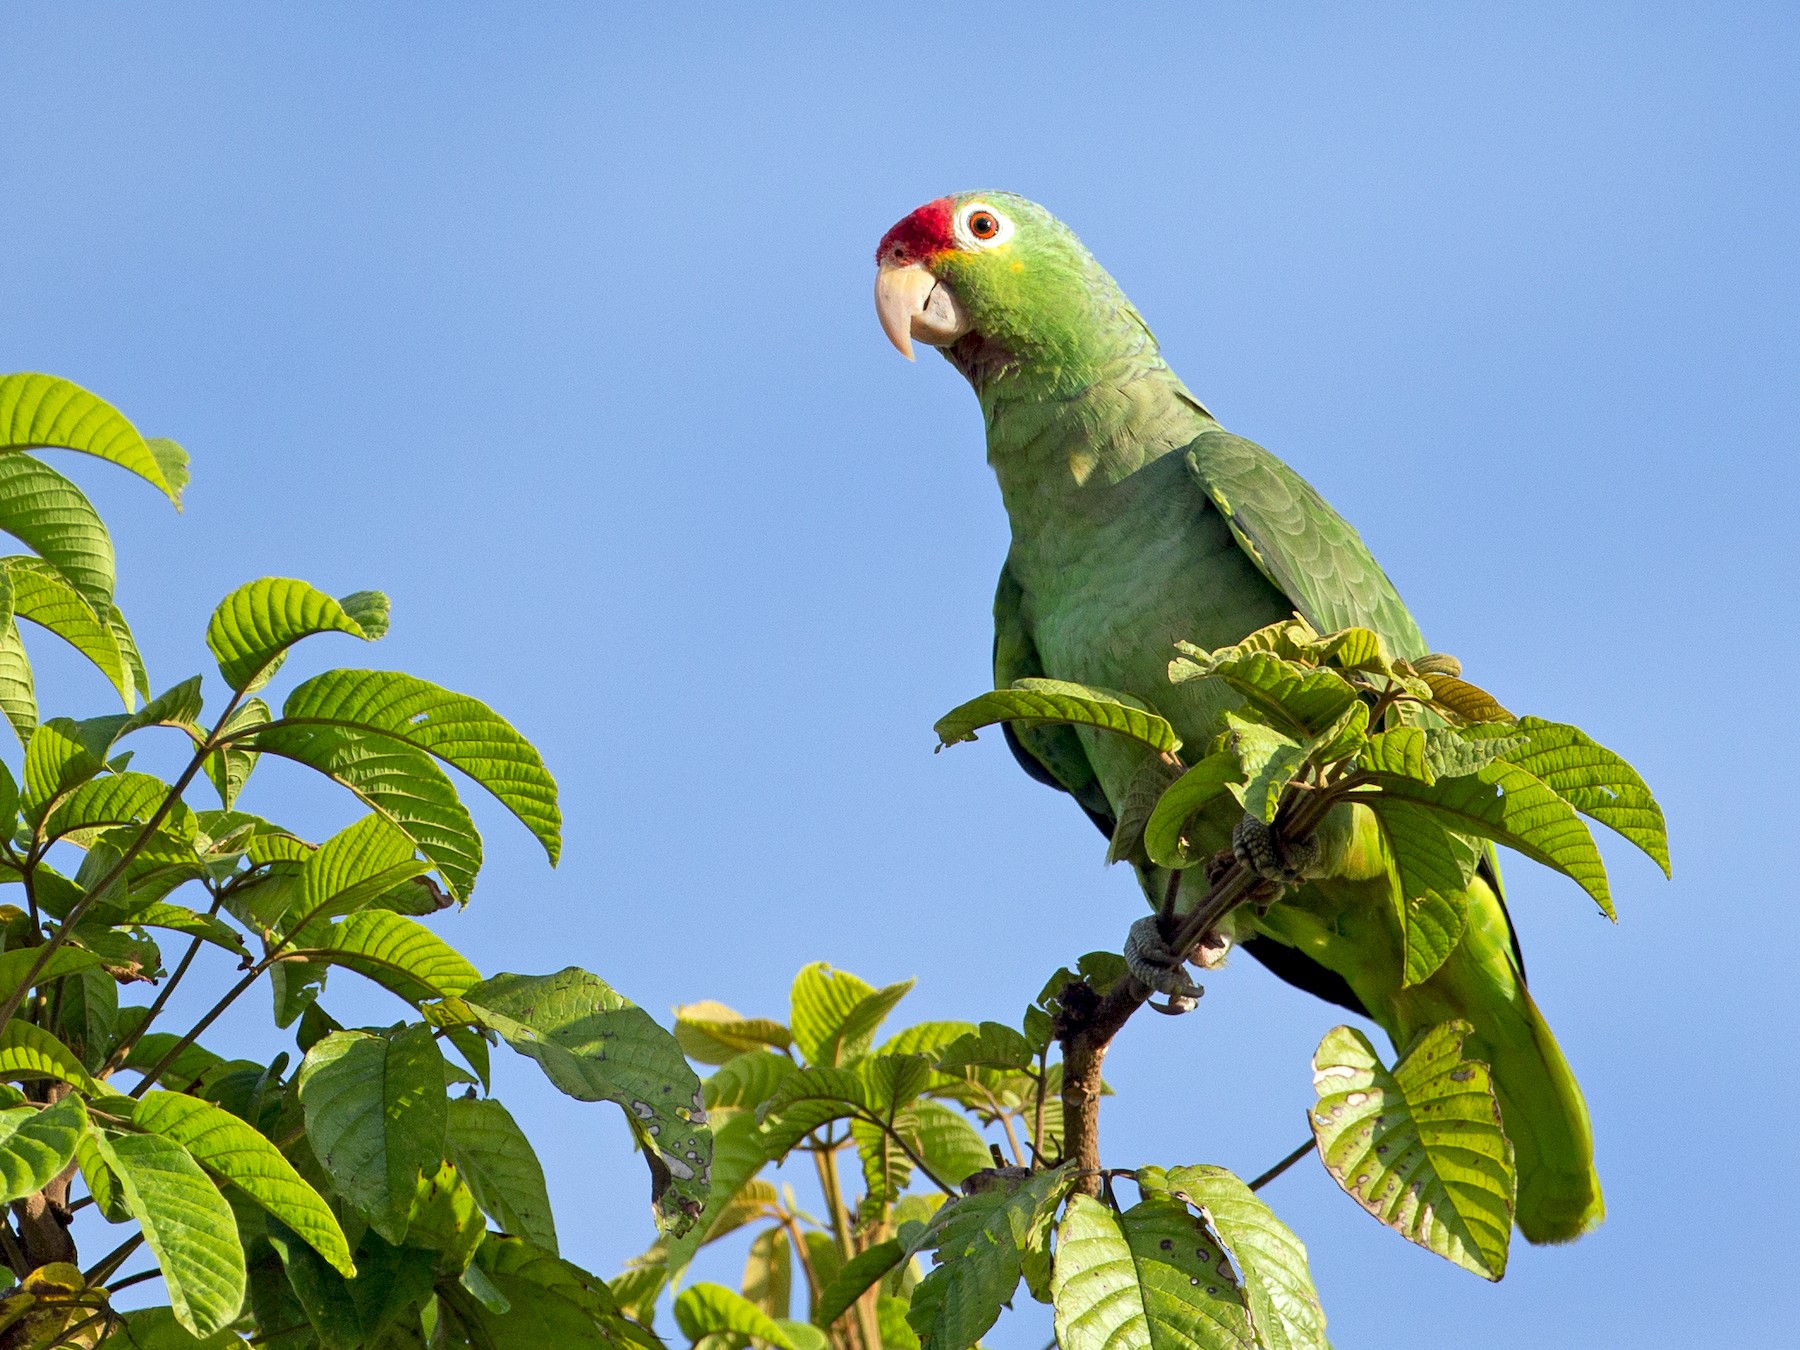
x=924, y=233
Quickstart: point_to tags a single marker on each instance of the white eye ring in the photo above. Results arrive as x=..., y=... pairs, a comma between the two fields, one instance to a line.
x=980, y=213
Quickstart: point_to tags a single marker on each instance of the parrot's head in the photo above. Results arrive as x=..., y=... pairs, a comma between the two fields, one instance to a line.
x=993, y=274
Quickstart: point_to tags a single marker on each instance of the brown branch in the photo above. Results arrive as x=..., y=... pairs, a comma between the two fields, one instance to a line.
x=1087, y=1020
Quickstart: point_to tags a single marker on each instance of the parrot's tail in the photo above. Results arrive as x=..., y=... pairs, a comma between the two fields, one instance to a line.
x=1541, y=1105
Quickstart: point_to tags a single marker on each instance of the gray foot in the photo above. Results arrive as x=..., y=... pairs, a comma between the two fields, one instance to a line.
x=1156, y=965
x=1256, y=847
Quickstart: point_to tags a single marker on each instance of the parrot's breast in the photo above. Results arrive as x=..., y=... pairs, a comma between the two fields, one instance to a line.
x=1114, y=575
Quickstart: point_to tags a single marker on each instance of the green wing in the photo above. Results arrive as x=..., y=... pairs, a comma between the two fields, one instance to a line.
x=1307, y=550
x=1051, y=754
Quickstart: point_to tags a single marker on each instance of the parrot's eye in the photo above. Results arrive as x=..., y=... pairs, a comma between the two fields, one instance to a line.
x=983, y=227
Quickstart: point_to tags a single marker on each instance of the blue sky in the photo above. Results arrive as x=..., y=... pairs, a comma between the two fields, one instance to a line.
x=554, y=323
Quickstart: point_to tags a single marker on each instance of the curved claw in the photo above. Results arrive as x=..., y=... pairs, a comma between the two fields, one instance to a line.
x=1157, y=966
x=1257, y=847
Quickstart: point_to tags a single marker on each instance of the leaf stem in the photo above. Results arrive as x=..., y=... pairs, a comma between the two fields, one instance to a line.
x=102, y=1270
x=1283, y=1165
x=122, y=1051
x=99, y=888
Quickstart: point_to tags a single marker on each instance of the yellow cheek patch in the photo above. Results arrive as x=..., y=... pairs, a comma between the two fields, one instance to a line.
x=1018, y=266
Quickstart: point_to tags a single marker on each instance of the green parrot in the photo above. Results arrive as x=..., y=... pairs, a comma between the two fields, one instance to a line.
x=1137, y=522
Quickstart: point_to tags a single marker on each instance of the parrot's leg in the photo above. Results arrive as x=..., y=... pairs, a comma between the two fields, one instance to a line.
x=1158, y=966
x=1257, y=848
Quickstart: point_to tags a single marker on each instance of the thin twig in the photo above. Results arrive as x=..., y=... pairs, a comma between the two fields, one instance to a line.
x=99, y=888
x=102, y=1270
x=130, y=1280
x=1282, y=1166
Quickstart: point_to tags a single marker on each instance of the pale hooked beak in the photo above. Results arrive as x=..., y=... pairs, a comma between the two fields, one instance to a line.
x=912, y=303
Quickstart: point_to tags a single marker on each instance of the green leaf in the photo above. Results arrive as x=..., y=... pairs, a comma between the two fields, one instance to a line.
x=376, y=1118
x=1302, y=701
x=62, y=755
x=981, y=1243
x=1149, y=782
x=860, y=1272
x=713, y=1033
x=18, y=696
x=1595, y=781
x=36, y=1144
x=552, y=1304
x=251, y=630
x=1421, y=1148
x=354, y=866
x=877, y=1090
x=1507, y=804
x=1467, y=701
x=463, y=732
x=1434, y=867
x=1451, y=752
x=835, y=1015
x=1164, y=835
x=222, y=1143
x=51, y=516
x=1270, y=761
x=1399, y=750
x=769, y=1273
x=181, y=919
x=1152, y=1277
x=41, y=594
x=992, y=1045
x=128, y=798
x=595, y=1045
x=739, y=1153
x=707, y=1309
x=501, y=1168
x=1276, y=1279
x=1044, y=702
x=42, y=412
x=398, y=953
x=951, y=1147
x=747, y=1081
x=446, y=1218
x=187, y=1223
x=14, y=966
x=28, y=1052
x=157, y=1329
x=229, y=768
x=403, y=784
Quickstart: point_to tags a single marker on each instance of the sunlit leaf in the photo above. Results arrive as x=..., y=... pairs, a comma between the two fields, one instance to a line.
x=981, y=1241
x=222, y=1143
x=1434, y=867
x=501, y=1168
x=41, y=412
x=1151, y=1278
x=1276, y=1278
x=1421, y=1147
x=1595, y=781
x=376, y=1118
x=187, y=1224
x=53, y=517
x=1512, y=807
x=713, y=1033
x=595, y=1045
x=253, y=627
x=463, y=732
x=36, y=1143
x=42, y=595
x=1040, y=702
x=706, y=1309
x=1164, y=834
x=402, y=783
